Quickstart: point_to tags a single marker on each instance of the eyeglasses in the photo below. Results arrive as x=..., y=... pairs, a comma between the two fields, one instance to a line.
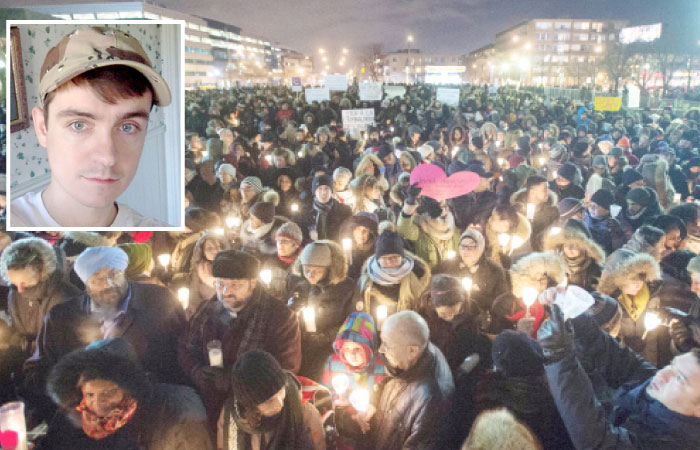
x=389, y=259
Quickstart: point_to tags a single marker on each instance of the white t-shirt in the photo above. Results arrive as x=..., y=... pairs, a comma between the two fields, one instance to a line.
x=29, y=211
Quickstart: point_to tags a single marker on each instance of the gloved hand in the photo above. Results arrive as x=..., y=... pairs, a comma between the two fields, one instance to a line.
x=556, y=336
x=412, y=194
x=680, y=335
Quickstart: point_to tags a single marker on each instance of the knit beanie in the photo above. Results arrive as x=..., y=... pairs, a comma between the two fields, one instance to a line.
x=475, y=236
x=265, y=211
x=140, y=257
x=425, y=151
x=639, y=195
x=389, y=243
x=291, y=231
x=569, y=207
x=515, y=354
x=629, y=176
x=384, y=150
x=253, y=182
x=321, y=180
x=478, y=142
x=603, y=198
x=616, y=152
x=256, y=377
x=235, y=265
x=316, y=254
x=568, y=171
x=93, y=259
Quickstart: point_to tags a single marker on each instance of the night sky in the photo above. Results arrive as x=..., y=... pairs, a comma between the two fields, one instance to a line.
x=445, y=26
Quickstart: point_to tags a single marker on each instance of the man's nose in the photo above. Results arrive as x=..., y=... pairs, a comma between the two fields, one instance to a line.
x=105, y=152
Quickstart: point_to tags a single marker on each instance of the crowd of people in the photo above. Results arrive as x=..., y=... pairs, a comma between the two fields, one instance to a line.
x=324, y=296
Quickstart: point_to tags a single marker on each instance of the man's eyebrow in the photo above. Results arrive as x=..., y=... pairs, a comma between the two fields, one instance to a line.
x=681, y=374
x=71, y=112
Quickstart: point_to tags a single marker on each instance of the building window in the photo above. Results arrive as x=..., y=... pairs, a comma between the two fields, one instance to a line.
x=562, y=26
x=562, y=36
x=575, y=47
x=581, y=36
x=543, y=25
x=562, y=48
x=107, y=15
x=542, y=36
x=582, y=25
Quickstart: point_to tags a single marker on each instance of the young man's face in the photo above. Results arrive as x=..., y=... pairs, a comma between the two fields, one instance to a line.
x=93, y=147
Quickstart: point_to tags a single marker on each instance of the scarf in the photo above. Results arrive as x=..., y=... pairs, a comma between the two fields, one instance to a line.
x=635, y=305
x=288, y=260
x=101, y=427
x=322, y=210
x=440, y=228
x=636, y=216
x=286, y=430
x=256, y=325
x=260, y=231
x=389, y=277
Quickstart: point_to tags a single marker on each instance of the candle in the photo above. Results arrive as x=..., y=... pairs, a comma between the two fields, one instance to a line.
x=164, y=259
x=359, y=399
x=205, y=154
x=266, y=276
x=539, y=145
x=347, y=246
x=676, y=198
x=351, y=200
x=467, y=284
x=300, y=154
x=517, y=242
x=554, y=174
x=530, y=211
x=451, y=254
x=503, y=239
x=501, y=161
x=12, y=420
x=219, y=231
x=340, y=383
x=294, y=207
x=183, y=295
x=455, y=150
x=651, y=321
x=268, y=158
x=498, y=143
x=216, y=356
x=309, y=319
x=555, y=230
x=542, y=161
x=232, y=221
x=529, y=295
x=382, y=312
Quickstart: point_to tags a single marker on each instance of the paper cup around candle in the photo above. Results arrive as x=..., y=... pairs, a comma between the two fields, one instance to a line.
x=164, y=259
x=309, y=319
x=12, y=419
x=266, y=276
x=183, y=295
x=216, y=356
x=467, y=284
x=529, y=295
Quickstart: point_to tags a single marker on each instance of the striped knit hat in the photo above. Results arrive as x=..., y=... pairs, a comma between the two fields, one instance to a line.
x=359, y=328
x=253, y=182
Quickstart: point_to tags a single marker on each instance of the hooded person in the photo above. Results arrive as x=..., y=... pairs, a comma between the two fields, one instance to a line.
x=689, y=213
x=288, y=195
x=107, y=401
x=567, y=182
x=507, y=234
x=323, y=218
x=355, y=359
x=429, y=227
x=370, y=164
x=630, y=179
x=647, y=239
x=676, y=283
x=599, y=178
x=634, y=281
x=641, y=207
x=288, y=240
x=517, y=382
x=257, y=235
x=392, y=278
x=368, y=197
x=537, y=193
x=488, y=279
x=319, y=280
x=582, y=256
x=654, y=170
x=675, y=232
x=242, y=316
x=362, y=230
x=531, y=274
x=29, y=266
x=265, y=409
x=605, y=230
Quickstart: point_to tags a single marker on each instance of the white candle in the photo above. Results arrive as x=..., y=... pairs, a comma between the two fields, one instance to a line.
x=268, y=158
x=517, y=242
x=219, y=231
x=501, y=161
x=359, y=399
x=529, y=295
x=542, y=161
x=231, y=221
x=347, y=246
x=300, y=154
x=340, y=383
x=205, y=154
x=555, y=230
x=12, y=419
x=183, y=295
x=266, y=276
x=467, y=284
x=294, y=207
x=676, y=198
x=309, y=319
x=554, y=174
x=503, y=239
x=164, y=259
x=530, y=211
x=651, y=322
x=382, y=312
x=451, y=254
x=216, y=357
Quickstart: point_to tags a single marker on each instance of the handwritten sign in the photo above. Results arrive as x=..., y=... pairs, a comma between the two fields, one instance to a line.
x=448, y=96
x=394, y=91
x=336, y=82
x=317, y=94
x=358, y=118
x=607, y=103
x=370, y=92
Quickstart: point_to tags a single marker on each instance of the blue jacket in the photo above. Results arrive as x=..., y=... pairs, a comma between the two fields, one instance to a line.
x=635, y=421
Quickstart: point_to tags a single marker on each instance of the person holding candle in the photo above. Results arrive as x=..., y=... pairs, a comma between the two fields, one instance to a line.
x=537, y=193
x=107, y=401
x=323, y=218
x=362, y=229
x=258, y=233
x=288, y=240
x=288, y=195
x=605, y=229
x=633, y=279
x=534, y=272
x=242, y=316
x=392, y=277
x=582, y=256
x=318, y=280
x=265, y=409
x=505, y=229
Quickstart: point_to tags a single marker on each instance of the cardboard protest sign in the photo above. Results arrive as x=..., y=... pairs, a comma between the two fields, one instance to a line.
x=448, y=96
x=336, y=82
x=370, y=92
x=317, y=94
x=607, y=103
x=358, y=118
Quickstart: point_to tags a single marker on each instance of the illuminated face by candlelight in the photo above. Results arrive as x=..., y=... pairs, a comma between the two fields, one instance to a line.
x=286, y=247
x=24, y=278
x=673, y=239
x=360, y=235
x=632, y=286
x=247, y=192
x=323, y=194
x=314, y=274
x=234, y=293
x=101, y=396
x=571, y=251
x=340, y=183
x=354, y=354
x=469, y=252
x=273, y=405
x=284, y=182
x=211, y=248
x=538, y=193
x=677, y=386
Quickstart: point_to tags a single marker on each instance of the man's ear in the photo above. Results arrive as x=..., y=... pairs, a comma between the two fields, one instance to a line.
x=39, y=125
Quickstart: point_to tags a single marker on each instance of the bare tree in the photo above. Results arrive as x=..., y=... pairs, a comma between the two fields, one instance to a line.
x=616, y=62
x=370, y=59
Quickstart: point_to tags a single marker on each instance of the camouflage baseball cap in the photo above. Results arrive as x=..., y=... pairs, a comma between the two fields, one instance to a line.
x=88, y=48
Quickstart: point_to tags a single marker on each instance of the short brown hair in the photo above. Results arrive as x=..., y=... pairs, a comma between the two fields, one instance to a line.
x=110, y=83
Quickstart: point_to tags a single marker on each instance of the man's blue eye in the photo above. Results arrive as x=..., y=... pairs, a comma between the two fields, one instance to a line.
x=128, y=128
x=78, y=126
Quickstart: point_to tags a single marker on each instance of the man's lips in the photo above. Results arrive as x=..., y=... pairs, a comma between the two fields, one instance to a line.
x=100, y=180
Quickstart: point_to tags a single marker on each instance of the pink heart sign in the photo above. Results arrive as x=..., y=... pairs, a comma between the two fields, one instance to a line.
x=459, y=183
x=9, y=439
x=426, y=174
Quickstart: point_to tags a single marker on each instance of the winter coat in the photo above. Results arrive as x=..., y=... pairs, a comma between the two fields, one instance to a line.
x=488, y=282
x=278, y=335
x=522, y=230
x=584, y=274
x=473, y=208
x=338, y=214
x=654, y=169
x=655, y=346
x=545, y=215
x=332, y=300
x=371, y=158
x=152, y=324
x=264, y=245
x=606, y=232
x=634, y=421
x=167, y=417
x=411, y=405
x=425, y=245
x=408, y=292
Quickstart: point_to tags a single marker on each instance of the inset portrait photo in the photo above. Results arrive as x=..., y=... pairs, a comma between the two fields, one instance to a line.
x=99, y=146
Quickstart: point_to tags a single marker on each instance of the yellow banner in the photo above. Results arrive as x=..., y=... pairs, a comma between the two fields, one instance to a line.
x=607, y=103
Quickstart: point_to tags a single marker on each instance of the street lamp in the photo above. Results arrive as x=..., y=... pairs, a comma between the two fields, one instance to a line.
x=598, y=49
x=409, y=38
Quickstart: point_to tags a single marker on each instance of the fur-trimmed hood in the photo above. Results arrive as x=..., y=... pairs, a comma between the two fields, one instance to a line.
x=364, y=162
x=198, y=251
x=520, y=197
x=338, y=270
x=93, y=238
x=529, y=269
x=523, y=230
x=570, y=235
x=624, y=264
x=40, y=247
